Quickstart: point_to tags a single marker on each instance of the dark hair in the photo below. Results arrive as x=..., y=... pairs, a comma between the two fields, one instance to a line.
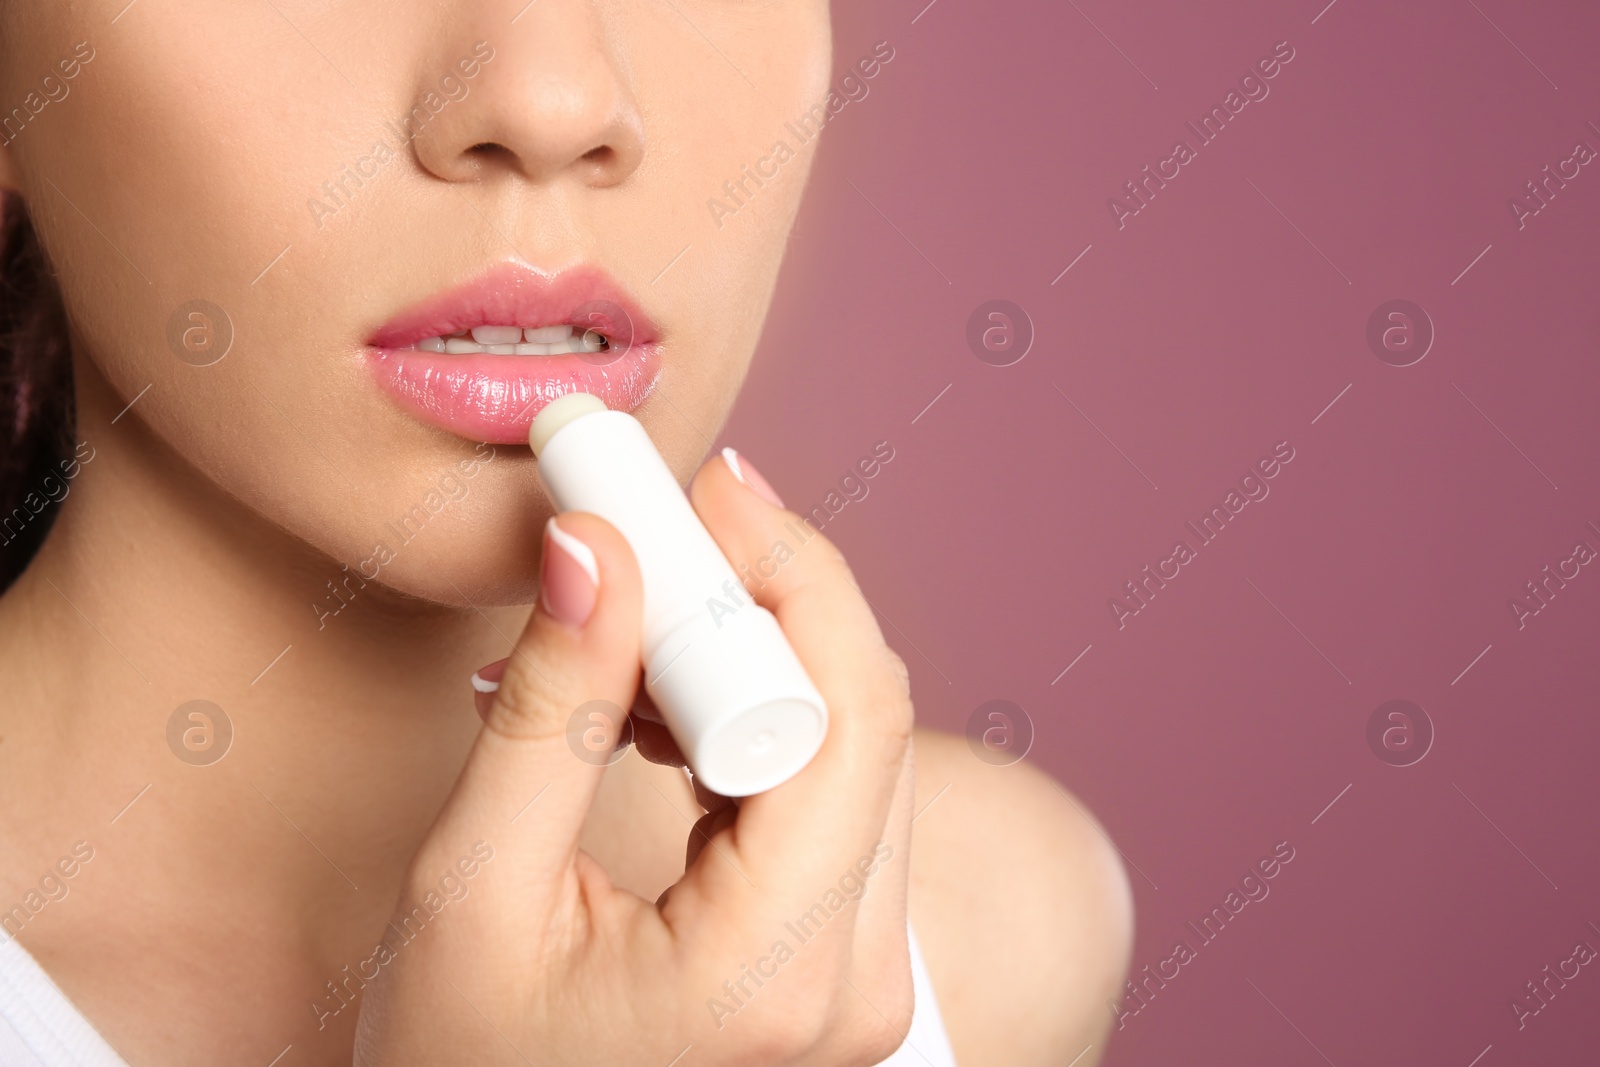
x=37, y=411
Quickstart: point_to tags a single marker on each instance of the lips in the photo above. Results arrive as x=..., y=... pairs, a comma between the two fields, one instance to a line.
x=493, y=396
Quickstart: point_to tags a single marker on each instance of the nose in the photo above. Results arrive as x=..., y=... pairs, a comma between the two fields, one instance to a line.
x=550, y=98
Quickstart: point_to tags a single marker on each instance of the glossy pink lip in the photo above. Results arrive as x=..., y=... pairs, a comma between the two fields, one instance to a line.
x=494, y=398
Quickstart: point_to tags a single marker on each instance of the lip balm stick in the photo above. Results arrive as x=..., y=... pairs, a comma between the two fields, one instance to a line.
x=729, y=686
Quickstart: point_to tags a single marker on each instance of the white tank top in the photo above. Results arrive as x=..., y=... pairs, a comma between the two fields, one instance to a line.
x=39, y=1027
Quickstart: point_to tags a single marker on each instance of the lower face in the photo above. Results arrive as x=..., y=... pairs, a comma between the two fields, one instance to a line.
x=342, y=252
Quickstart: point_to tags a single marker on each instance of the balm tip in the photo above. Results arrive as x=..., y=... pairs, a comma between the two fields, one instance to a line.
x=559, y=412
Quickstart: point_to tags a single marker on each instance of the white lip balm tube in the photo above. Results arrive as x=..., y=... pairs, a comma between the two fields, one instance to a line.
x=731, y=689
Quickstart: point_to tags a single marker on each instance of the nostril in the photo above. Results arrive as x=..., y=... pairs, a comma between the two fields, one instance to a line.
x=603, y=164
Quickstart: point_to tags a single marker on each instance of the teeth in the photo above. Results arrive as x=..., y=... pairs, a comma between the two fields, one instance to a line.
x=517, y=341
x=497, y=335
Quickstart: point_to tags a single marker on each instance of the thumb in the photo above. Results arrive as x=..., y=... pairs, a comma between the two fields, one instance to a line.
x=554, y=720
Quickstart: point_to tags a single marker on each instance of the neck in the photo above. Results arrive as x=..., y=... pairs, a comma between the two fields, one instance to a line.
x=154, y=589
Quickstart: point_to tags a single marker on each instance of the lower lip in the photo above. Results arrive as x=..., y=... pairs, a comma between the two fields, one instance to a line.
x=495, y=398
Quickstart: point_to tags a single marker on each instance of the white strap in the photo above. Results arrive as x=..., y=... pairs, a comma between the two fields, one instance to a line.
x=39, y=1027
x=927, y=1044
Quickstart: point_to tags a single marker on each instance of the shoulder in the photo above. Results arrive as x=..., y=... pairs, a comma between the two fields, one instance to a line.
x=1021, y=906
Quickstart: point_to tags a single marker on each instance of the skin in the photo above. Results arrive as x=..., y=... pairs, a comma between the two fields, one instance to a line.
x=216, y=509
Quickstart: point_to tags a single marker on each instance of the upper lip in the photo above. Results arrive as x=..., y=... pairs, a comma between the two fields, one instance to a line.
x=515, y=294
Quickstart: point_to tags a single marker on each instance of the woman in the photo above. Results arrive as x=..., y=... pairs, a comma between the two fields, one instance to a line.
x=257, y=256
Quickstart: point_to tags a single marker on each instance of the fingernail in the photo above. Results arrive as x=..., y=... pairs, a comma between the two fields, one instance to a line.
x=570, y=577
x=485, y=683
x=746, y=472
x=487, y=679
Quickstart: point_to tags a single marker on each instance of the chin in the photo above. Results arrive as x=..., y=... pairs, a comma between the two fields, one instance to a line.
x=462, y=572
x=474, y=541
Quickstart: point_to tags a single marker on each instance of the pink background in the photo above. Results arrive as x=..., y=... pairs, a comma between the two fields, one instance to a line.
x=1232, y=710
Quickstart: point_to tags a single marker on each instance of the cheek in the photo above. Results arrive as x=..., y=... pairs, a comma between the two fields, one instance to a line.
x=180, y=169
x=712, y=130
x=208, y=139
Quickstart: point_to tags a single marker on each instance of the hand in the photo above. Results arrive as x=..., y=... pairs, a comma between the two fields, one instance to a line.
x=785, y=940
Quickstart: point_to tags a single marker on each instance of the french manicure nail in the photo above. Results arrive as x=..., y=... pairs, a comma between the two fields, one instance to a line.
x=485, y=684
x=570, y=577
x=487, y=679
x=746, y=472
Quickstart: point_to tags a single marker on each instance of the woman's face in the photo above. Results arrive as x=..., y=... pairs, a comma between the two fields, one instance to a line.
x=327, y=181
